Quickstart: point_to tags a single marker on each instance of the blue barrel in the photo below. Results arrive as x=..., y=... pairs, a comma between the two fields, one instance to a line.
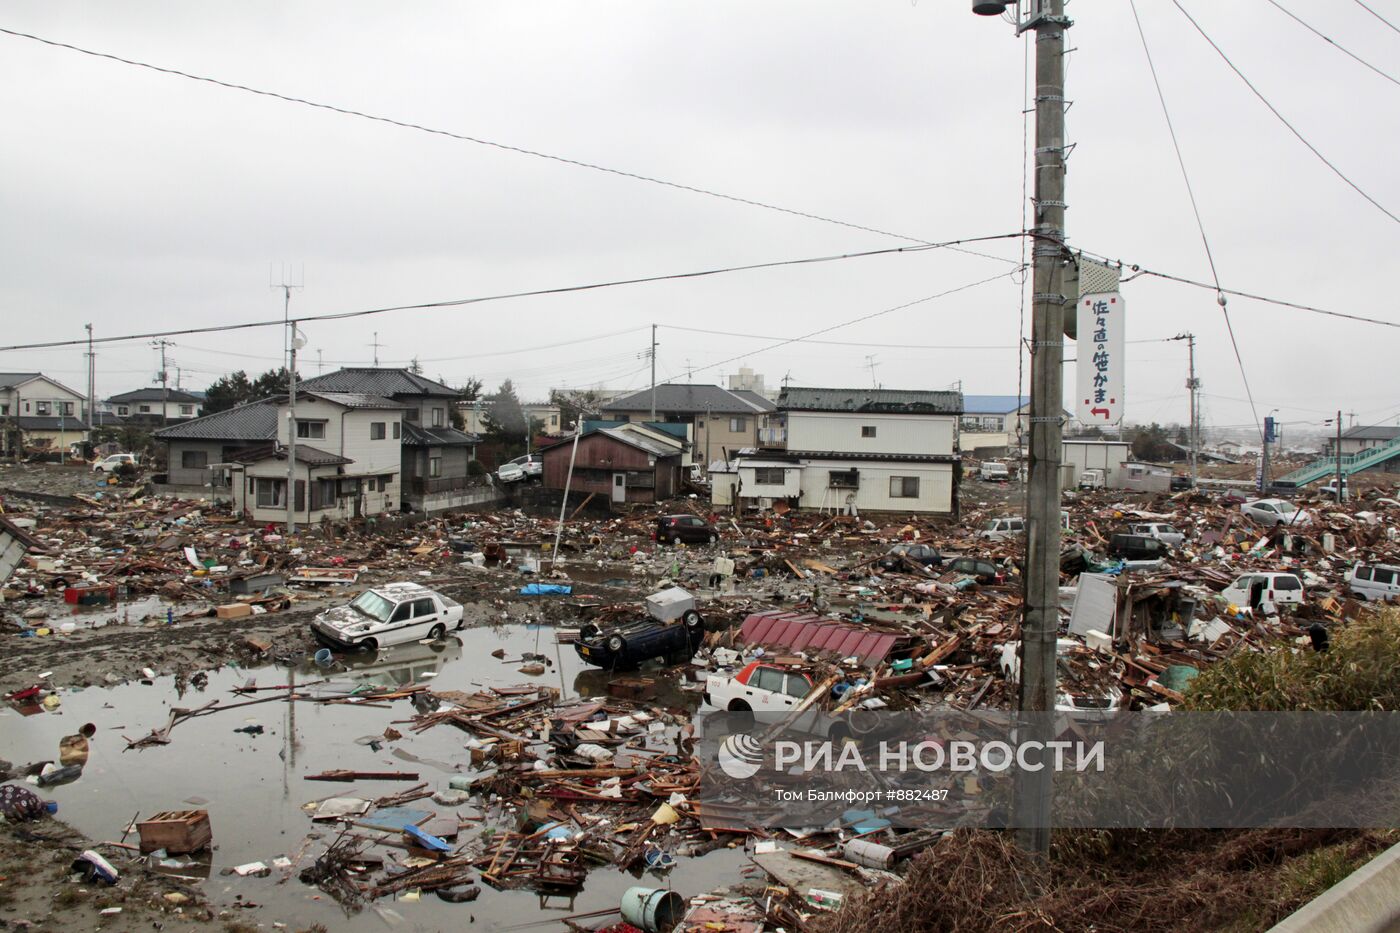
x=324, y=657
x=654, y=910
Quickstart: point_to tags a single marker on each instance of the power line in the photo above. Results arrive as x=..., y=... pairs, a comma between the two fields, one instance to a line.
x=1332, y=42
x=404, y=124
x=1195, y=209
x=1137, y=270
x=534, y=293
x=1377, y=15
x=1282, y=119
x=863, y=343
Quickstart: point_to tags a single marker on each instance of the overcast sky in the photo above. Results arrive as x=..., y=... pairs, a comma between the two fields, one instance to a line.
x=140, y=201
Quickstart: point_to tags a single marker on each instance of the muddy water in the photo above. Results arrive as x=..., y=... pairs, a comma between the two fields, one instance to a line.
x=254, y=788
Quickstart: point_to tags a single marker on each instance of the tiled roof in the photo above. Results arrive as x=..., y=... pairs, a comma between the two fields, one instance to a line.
x=51, y=424
x=355, y=399
x=871, y=401
x=371, y=381
x=416, y=436
x=10, y=380
x=692, y=400
x=311, y=456
x=1375, y=432
x=254, y=421
x=154, y=394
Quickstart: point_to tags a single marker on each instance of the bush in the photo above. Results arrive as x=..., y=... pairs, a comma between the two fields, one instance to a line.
x=476, y=468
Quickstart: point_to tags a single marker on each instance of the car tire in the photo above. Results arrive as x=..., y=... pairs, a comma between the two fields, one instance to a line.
x=693, y=620
x=741, y=715
x=437, y=631
x=675, y=539
x=714, y=539
x=368, y=644
x=616, y=644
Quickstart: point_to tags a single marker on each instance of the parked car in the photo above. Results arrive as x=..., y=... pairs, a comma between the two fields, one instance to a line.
x=388, y=615
x=1077, y=703
x=1133, y=547
x=1273, y=512
x=1374, y=581
x=986, y=572
x=1256, y=589
x=761, y=687
x=903, y=554
x=1092, y=479
x=1162, y=532
x=994, y=473
x=530, y=466
x=672, y=630
x=692, y=529
x=999, y=529
x=112, y=463
x=1330, y=490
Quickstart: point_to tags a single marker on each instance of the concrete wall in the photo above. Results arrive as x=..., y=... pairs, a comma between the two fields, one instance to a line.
x=894, y=434
x=1108, y=456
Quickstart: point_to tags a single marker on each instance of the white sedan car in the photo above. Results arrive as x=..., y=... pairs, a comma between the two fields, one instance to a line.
x=388, y=615
x=110, y=464
x=1271, y=512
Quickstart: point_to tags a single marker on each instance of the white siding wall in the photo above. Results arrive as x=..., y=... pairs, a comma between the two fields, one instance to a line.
x=791, y=485
x=935, y=486
x=1097, y=455
x=894, y=434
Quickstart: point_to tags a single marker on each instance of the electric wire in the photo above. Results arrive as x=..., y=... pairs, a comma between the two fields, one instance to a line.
x=1282, y=119
x=482, y=299
x=1377, y=15
x=1332, y=42
x=1195, y=209
x=505, y=147
x=1263, y=298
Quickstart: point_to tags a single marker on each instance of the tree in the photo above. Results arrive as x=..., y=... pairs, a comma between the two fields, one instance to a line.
x=1152, y=443
x=272, y=382
x=469, y=392
x=576, y=404
x=505, y=420
x=226, y=392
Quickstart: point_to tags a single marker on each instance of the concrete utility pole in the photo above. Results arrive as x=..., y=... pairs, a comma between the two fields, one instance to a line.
x=164, y=381
x=1193, y=385
x=653, y=372
x=1341, y=493
x=290, y=347
x=1041, y=621
x=1264, y=454
x=92, y=390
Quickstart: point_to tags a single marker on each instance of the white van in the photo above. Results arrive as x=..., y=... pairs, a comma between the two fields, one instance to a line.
x=1092, y=479
x=1255, y=590
x=1000, y=529
x=1374, y=581
x=995, y=473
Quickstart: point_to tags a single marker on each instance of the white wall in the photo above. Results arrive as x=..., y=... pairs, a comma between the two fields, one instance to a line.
x=1108, y=456
x=791, y=485
x=935, y=486
x=894, y=434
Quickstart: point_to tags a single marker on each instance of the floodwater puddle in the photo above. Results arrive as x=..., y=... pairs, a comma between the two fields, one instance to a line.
x=254, y=783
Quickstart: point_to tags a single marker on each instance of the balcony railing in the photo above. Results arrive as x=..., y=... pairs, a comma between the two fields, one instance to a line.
x=773, y=436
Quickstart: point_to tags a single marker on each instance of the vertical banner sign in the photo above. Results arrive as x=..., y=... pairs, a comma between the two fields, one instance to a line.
x=1101, y=358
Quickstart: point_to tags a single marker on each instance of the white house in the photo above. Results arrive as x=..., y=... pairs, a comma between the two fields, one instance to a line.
x=348, y=460
x=993, y=425
x=36, y=411
x=155, y=406
x=853, y=450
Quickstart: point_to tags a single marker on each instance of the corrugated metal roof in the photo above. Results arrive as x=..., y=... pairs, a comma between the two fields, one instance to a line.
x=652, y=445
x=253, y=421
x=872, y=401
x=813, y=635
x=691, y=400
x=372, y=381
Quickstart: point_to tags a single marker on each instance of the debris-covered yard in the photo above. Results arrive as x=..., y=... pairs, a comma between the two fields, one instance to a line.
x=164, y=688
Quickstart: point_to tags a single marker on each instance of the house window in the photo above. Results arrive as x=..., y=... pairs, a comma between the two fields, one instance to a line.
x=376, y=430
x=270, y=492
x=437, y=417
x=4, y=409
x=384, y=482
x=42, y=408
x=843, y=479
x=554, y=421
x=323, y=494
x=186, y=409
x=867, y=430
x=194, y=459
x=123, y=410
x=65, y=409
x=737, y=424
x=311, y=430
x=434, y=466
x=904, y=487
x=398, y=430
x=145, y=409
x=769, y=476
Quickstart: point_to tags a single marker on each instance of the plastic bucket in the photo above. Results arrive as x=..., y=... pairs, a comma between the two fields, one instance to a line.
x=869, y=854
x=323, y=657
x=654, y=910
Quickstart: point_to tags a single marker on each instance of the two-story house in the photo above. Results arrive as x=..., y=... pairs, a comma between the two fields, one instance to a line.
x=430, y=470
x=721, y=420
x=39, y=412
x=852, y=450
x=155, y=407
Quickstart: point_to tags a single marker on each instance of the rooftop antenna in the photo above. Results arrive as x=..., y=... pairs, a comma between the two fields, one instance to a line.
x=320, y=366
x=870, y=361
x=287, y=283
x=377, y=345
x=787, y=377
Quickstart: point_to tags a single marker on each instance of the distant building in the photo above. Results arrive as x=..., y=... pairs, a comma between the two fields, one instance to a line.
x=39, y=412
x=720, y=420
x=993, y=425
x=625, y=463
x=746, y=380
x=155, y=407
x=1369, y=437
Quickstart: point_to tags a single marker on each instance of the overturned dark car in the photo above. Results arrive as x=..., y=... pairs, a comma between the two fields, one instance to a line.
x=671, y=630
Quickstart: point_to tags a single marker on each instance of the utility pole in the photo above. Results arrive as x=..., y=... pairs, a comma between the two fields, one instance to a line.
x=164, y=381
x=1193, y=385
x=290, y=346
x=653, y=372
x=1041, y=621
x=1341, y=496
x=92, y=390
x=1264, y=455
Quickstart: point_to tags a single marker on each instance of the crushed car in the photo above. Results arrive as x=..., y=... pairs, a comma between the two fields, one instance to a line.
x=671, y=630
x=388, y=615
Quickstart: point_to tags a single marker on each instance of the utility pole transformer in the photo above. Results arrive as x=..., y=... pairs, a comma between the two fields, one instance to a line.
x=1041, y=620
